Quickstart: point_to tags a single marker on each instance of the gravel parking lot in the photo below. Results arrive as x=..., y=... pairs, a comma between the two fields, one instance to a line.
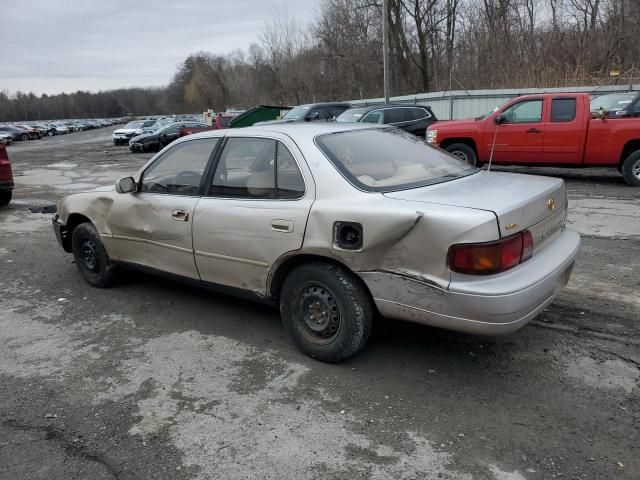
x=153, y=379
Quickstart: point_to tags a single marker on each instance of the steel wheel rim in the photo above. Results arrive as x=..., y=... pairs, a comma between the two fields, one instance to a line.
x=89, y=255
x=461, y=156
x=319, y=318
x=635, y=169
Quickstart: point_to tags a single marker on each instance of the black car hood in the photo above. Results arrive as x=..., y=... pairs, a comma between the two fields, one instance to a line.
x=145, y=137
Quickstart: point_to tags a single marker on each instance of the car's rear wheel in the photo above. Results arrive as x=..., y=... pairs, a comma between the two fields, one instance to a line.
x=464, y=152
x=24, y=137
x=5, y=198
x=91, y=257
x=631, y=169
x=326, y=310
x=50, y=133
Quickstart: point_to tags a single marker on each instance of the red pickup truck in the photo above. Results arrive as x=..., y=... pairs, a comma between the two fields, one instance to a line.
x=557, y=130
x=6, y=177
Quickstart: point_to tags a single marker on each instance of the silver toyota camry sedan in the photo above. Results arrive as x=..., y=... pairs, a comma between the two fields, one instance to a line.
x=334, y=223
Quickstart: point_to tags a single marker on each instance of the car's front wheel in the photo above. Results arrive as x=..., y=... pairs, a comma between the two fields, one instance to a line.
x=631, y=169
x=91, y=257
x=464, y=152
x=5, y=198
x=326, y=310
x=24, y=137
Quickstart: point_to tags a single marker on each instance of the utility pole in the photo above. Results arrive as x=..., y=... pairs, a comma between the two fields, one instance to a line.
x=385, y=47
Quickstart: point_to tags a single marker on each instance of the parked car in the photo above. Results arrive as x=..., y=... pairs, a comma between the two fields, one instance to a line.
x=6, y=177
x=311, y=113
x=61, y=128
x=5, y=138
x=33, y=133
x=163, y=136
x=121, y=136
x=15, y=133
x=616, y=105
x=546, y=130
x=47, y=130
x=332, y=222
x=411, y=118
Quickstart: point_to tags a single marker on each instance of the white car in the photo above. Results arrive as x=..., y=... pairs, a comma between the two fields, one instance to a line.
x=121, y=136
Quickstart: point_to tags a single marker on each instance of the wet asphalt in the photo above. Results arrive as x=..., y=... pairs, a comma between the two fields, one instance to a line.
x=153, y=379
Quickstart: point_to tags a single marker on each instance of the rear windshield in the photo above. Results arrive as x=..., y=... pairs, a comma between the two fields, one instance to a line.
x=381, y=160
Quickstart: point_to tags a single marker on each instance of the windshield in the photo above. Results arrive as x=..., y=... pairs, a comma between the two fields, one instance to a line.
x=351, y=115
x=612, y=102
x=390, y=159
x=133, y=125
x=297, y=113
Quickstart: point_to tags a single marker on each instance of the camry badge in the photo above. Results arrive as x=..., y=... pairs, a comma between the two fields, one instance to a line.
x=551, y=204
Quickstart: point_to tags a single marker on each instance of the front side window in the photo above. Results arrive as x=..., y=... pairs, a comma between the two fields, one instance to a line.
x=374, y=117
x=257, y=168
x=389, y=159
x=179, y=170
x=529, y=111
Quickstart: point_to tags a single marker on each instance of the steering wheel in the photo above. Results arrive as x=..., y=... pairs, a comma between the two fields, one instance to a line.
x=187, y=179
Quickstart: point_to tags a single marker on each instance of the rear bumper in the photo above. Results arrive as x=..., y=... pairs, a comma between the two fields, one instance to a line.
x=486, y=306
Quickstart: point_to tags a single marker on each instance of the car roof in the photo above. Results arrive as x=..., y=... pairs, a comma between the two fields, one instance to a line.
x=326, y=104
x=368, y=108
x=293, y=130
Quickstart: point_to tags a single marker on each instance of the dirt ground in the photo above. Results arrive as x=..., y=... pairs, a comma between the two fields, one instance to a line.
x=156, y=380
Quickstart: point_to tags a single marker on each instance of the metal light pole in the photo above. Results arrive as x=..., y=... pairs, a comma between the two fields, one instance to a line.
x=385, y=48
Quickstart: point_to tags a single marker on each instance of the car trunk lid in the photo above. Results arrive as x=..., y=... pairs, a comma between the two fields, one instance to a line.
x=519, y=202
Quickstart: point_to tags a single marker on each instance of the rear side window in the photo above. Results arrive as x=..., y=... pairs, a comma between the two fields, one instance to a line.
x=417, y=113
x=257, y=168
x=395, y=115
x=563, y=109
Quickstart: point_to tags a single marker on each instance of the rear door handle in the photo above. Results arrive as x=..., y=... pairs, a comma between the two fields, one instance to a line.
x=180, y=215
x=534, y=130
x=284, y=226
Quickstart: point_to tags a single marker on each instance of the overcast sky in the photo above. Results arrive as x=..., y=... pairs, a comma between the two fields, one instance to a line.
x=51, y=46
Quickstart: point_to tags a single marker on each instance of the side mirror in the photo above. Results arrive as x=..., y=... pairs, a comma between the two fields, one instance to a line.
x=600, y=113
x=500, y=119
x=126, y=185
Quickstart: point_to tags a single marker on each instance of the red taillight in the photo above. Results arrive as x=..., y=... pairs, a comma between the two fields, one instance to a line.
x=491, y=257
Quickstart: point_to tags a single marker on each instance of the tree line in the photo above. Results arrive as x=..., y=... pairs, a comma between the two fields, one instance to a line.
x=434, y=45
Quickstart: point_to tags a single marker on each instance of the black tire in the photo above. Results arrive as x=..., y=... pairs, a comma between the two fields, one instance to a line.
x=24, y=137
x=631, y=169
x=50, y=133
x=91, y=257
x=327, y=311
x=5, y=198
x=464, y=152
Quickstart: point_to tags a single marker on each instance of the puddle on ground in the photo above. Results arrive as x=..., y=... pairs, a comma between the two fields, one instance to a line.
x=606, y=375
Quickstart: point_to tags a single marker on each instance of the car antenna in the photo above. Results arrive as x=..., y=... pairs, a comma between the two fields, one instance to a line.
x=493, y=144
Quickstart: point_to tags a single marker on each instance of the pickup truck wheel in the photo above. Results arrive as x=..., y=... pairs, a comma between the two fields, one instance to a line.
x=5, y=198
x=327, y=311
x=91, y=257
x=464, y=152
x=631, y=169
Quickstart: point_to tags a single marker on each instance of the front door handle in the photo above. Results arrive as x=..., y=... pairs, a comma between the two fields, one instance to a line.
x=534, y=130
x=180, y=215
x=284, y=226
